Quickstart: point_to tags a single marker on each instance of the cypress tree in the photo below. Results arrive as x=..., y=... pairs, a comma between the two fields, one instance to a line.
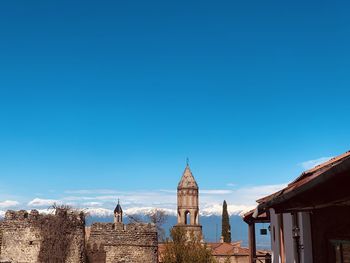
x=225, y=227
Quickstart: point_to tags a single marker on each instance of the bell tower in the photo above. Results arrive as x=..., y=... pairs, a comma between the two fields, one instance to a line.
x=187, y=204
x=118, y=214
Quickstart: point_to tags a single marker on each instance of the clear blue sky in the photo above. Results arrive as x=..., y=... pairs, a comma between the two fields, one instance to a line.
x=116, y=94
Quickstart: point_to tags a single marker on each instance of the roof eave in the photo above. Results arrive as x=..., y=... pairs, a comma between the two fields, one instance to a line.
x=293, y=190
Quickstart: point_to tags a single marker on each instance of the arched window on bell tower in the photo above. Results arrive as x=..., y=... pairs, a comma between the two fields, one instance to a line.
x=187, y=218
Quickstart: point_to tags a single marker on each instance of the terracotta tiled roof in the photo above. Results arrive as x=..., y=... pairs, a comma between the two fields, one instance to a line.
x=222, y=249
x=226, y=249
x=231, y=249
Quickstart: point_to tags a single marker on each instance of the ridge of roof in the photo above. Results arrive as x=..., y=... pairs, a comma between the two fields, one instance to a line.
x=331, y=162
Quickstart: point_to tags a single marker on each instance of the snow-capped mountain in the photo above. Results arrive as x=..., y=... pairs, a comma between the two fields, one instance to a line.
x=212, y=210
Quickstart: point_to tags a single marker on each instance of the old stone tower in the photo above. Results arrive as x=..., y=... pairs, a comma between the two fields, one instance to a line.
x=187, y=204
x=118, y=214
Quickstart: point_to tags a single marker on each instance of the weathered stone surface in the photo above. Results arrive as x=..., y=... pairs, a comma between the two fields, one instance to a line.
x=132, y=243
x=21, y=238
x=20, y=242
x=131, y=254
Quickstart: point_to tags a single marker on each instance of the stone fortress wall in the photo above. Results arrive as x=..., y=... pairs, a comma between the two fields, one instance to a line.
x=21, y=238
x=124, y=243
x=22, y=241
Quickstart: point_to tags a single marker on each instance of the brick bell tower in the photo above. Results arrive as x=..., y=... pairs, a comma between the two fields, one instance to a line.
x=187, y=204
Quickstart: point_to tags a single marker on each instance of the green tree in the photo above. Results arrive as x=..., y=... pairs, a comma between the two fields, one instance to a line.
x=225, y=224
x=185, y=249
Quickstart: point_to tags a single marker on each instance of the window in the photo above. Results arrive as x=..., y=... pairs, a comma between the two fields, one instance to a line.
x=341, y=249
x=187, y=218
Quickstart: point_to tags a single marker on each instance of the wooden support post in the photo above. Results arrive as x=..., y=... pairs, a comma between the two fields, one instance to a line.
x=252, y=243
x=281, y=239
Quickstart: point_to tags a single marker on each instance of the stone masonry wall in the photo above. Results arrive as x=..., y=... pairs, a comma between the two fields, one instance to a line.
x=20, y=242
x=21, y=239
x=119, y=243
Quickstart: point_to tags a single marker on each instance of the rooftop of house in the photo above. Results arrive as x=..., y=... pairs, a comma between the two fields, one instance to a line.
x=308, y=180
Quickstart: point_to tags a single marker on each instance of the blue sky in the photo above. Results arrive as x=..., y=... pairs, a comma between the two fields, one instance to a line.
x=112, y=96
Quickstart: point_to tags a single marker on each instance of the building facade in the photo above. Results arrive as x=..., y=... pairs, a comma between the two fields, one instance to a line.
x=309, y=219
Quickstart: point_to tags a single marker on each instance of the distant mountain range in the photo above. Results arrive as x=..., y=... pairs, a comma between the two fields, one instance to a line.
x=211, y=227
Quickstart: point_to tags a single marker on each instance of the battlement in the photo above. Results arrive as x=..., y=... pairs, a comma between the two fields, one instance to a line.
x=34, y=215
x=139, y=234
x=136, y=242
x=136, y=227
x=29, y=236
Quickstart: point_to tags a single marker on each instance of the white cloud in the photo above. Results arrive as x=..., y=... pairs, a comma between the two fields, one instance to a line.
x=92, y=191
x=45, y=211
x=8, y=203
x=38, y=202
x=312, y=163
x=92, y=204
x=78, y=198
x=251, y=193
x=216, y=209
x=99, y=212
x=215, y=192
x=147, y=210
x=107, y=197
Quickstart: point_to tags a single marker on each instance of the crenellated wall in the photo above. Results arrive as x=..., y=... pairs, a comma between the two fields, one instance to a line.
x=132, y=243
x=32, y=237
x=22, y=238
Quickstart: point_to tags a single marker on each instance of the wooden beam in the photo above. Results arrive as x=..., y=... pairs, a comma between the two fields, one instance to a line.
x=281, y=239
